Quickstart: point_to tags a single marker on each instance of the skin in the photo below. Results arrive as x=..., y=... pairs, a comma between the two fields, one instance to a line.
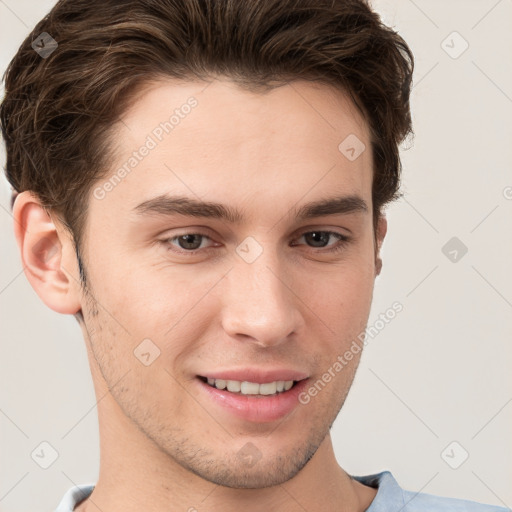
x=296, y=306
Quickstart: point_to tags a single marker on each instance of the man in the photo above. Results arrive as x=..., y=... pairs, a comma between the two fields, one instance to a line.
x=201, y=184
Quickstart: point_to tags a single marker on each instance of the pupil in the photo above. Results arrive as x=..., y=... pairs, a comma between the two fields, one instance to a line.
x=189, y=241
x=318, y=236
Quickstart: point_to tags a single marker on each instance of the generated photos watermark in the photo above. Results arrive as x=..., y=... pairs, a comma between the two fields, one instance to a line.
x=356, y=347
x=152, y=140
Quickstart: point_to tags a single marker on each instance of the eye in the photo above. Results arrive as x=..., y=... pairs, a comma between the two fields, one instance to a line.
x=191, y=243
x=188, y=242
x=320, y=239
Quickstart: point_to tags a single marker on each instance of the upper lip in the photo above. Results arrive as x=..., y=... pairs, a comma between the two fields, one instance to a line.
x=258, y=375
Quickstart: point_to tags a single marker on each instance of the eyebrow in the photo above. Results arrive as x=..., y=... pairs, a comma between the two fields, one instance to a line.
x=182, y=205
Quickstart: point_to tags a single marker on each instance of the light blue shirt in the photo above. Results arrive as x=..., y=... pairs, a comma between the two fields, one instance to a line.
x=390, y=497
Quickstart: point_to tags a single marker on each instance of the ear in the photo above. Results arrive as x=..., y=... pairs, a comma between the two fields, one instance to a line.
x=382, y=228
x=47, y=254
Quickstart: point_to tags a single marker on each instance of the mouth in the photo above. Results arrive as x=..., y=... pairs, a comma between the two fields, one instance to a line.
x=248, y=388
x=264, y=397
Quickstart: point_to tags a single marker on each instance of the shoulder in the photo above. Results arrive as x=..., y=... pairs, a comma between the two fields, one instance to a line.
x=391, y=497
x=74, y=496
x=423, y=502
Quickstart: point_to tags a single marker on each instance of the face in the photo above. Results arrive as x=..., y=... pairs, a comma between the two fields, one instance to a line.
x=257, y=285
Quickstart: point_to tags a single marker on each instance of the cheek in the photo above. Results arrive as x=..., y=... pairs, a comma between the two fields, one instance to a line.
x=343, y=304
x=167, y=306
x=346, y=292
x=141, y=292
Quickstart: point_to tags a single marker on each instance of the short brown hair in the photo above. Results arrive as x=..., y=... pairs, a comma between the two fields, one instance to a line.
x=58, y=110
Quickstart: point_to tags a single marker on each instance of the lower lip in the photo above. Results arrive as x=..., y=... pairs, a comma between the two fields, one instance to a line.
x=258, y=409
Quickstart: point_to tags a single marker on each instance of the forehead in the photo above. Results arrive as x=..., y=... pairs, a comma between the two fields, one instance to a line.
x=220, y=142
x=310, y=108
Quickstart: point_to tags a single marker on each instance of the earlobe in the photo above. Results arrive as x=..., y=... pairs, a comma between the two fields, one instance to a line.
x=382, y=228
x=47, y=255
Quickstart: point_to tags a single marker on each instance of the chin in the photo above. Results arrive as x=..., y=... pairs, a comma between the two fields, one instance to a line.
x=244, y=473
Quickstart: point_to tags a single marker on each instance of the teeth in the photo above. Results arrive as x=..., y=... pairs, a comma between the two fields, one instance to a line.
x=234, y=386
x=269, y=388
x=220, y=384
x=251, y=388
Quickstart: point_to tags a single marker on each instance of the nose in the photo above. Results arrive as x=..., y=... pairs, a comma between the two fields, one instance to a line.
x=259, y=303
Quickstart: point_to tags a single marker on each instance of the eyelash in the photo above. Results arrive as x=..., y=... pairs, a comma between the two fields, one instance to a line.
x=343, y=241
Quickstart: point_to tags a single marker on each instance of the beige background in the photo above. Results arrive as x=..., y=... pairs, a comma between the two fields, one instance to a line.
x=438, y=373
